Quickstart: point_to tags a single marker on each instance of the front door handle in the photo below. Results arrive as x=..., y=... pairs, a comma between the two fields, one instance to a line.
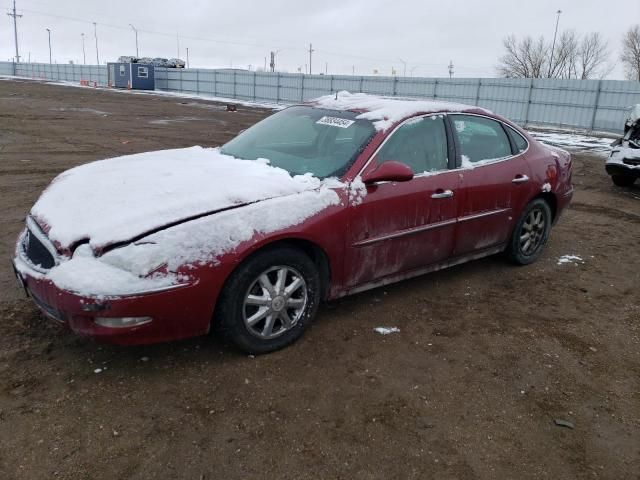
x=442, y=194
x=520, y=179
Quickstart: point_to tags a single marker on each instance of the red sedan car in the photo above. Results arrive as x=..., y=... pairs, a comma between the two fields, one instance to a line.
x=321, y=200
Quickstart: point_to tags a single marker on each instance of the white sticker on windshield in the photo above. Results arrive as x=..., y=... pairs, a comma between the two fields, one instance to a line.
x=336, y=122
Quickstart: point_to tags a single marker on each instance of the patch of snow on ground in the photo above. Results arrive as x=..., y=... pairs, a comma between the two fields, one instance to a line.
x=384, y=112
x=386, y=330
x=573, y=141
x=575, y=259
x=233, y=101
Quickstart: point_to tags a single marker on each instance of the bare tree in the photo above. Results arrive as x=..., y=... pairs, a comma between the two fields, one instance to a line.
x=573, y=57
x=523, y=58
x=592, y=57
x=631, y=53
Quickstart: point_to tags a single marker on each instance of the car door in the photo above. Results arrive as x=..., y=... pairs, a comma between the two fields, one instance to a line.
x=398, y=227
x=494, y=183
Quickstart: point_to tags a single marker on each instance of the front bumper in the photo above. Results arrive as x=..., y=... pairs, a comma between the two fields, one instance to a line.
x=181, y=312
x=623, y=170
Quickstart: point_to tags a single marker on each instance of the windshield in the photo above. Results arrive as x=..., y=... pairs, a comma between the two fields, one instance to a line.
x=305, y=140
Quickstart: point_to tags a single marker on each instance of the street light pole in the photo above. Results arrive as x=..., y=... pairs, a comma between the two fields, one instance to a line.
x=95, y=34
x=404, y=71
x=136, y=32
x=49, y=32
x=84, y=53
x=553, y=46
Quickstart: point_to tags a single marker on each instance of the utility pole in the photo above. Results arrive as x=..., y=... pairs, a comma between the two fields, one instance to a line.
x=450, y=68
x=178, y=43
x=49, y=32
x=272, y=64
x=15, y=29
x=84, y=53
x=136, y=32
x=188, y=58
x=553, y=46
x=311, y=50
x=353, y=70
x=95, y=34
x=326, y=68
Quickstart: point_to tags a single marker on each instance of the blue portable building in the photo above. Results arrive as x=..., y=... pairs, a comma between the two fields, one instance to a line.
x=137, y=76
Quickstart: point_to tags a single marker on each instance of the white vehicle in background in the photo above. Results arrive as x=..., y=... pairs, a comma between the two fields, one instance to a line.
x=176, y=63
x=624, y=162
x=127, y=59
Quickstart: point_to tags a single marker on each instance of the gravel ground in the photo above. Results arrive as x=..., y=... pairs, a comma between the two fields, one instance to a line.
x=487, y=357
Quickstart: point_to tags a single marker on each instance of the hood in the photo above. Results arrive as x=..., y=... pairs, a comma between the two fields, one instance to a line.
x=112, y=201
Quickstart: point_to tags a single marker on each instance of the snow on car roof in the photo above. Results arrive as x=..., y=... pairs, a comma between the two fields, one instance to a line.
x=384, y=112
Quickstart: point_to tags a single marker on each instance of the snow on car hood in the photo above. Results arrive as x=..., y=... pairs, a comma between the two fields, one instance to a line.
x=115, y=200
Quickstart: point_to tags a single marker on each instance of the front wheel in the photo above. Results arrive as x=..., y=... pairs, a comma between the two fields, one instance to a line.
x=623, y=180
x=269, y=300
x=530, y=234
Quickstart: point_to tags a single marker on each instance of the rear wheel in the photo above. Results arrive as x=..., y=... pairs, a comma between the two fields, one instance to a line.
x=269, y=300
x=530, y=234
x=623, y=180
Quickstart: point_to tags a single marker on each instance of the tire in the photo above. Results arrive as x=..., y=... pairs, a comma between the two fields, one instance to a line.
x=255, y=296
x=535, y=221
x=622, y=180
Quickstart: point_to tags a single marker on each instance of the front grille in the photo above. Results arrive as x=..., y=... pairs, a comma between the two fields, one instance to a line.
x=632, y=161
x=37, y=252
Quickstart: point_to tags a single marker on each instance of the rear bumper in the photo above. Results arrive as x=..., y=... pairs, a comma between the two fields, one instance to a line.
x=182, y=312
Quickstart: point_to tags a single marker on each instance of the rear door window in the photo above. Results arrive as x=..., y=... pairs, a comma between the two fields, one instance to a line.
x=519, y=141
x=480, y=139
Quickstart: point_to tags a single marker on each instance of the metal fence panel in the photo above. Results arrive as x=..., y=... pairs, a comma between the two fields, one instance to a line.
x=594, y=105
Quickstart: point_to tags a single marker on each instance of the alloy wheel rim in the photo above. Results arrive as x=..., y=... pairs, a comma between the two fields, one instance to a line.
x=275, y=302
x=532, y=232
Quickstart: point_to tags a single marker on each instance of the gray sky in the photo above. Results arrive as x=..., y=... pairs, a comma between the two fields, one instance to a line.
x=347, y=34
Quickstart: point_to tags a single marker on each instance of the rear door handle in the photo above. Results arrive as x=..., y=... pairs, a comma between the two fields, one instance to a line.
x=520, y=179
x=442, y=194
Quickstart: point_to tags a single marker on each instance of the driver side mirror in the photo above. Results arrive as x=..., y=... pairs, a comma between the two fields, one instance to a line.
x=389, y=171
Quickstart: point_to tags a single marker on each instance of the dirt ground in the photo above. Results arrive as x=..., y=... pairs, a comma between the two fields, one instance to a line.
x=488, y=354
